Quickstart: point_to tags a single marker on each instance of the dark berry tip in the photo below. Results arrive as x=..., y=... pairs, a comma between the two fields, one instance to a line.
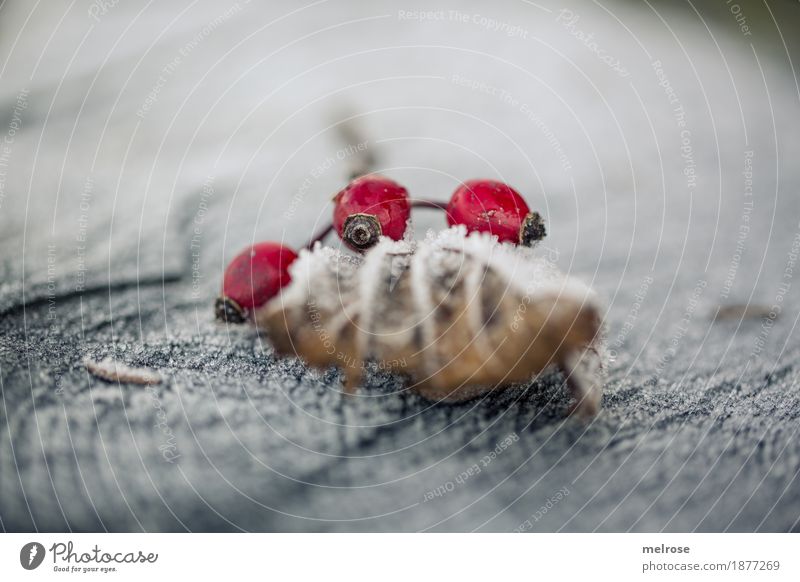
x=227, y=310
x=533, y=229
x=361, y=231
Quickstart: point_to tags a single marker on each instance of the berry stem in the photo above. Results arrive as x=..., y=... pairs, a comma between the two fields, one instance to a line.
x=320, y=235
x=425, y=203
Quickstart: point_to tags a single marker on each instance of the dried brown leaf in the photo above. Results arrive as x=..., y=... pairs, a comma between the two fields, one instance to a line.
x=461, y=315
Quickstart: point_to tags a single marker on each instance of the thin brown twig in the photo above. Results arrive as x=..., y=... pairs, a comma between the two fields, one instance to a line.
x=425, y=203
x=319, y=236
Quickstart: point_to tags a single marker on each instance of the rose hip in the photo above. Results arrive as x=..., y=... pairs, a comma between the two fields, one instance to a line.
x=252, y=278
x=496, y=208
x=370, y=207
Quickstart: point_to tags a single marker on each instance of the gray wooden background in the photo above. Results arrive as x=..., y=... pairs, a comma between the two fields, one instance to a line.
x=142, y=144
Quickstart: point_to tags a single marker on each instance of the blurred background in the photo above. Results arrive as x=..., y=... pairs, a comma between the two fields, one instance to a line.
x=144, y=144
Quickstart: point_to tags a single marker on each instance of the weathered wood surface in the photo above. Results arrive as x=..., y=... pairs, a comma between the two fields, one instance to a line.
x=145, y=147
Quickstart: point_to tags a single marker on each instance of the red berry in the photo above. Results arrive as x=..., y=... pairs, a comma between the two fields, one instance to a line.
x=252, y=278
x=371, y=206
x=496, y=208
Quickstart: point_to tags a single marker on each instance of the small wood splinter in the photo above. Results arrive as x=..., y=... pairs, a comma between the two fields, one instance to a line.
x=744, y=311
x=460, y=314
x=110, y=370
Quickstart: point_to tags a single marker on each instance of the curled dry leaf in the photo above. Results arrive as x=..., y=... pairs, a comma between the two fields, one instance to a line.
x=461, y=315
x=112, y=371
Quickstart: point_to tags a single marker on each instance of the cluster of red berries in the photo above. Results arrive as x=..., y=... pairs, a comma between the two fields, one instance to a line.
x=369, y=207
